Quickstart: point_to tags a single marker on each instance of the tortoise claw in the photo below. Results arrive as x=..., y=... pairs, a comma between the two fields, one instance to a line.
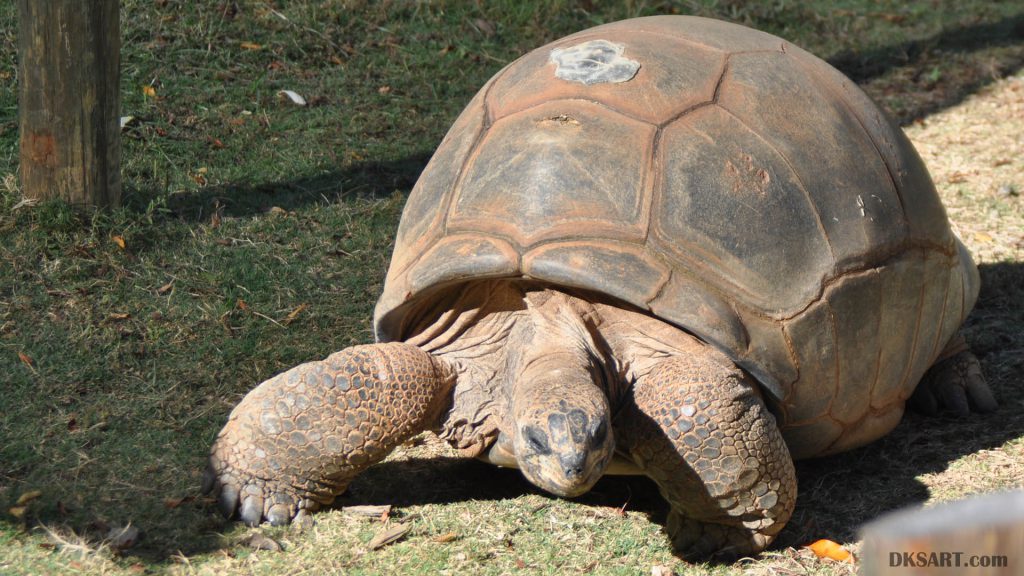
x=251, y=511
x=209, y=479
x=303, y=519
x=279, y=515
x=228, y=500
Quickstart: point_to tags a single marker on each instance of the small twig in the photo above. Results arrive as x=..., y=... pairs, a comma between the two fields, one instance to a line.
x=265, y=317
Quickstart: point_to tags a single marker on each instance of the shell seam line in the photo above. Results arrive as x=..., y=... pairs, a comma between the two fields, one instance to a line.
x=917, y=332
x=827, y=282
x=878, y=356
x=656, y=181
x=471, y=154
x=940, y=344
x=714, y=96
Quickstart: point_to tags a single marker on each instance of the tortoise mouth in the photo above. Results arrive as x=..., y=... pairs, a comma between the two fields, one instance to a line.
x=563, y=485
x=567, y=474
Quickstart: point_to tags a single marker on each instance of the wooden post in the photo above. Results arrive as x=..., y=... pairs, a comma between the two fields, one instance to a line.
x=68, y=99
x=982, y=535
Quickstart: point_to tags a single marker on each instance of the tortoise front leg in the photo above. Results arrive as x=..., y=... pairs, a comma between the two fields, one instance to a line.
x=700, y=430
x=298, y=439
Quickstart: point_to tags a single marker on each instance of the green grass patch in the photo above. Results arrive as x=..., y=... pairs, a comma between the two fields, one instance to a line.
x=255, y=235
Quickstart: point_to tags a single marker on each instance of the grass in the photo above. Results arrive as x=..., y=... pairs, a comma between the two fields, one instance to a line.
x=255, y=236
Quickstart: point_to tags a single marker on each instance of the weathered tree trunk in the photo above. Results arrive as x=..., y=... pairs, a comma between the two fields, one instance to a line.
x=69, y=106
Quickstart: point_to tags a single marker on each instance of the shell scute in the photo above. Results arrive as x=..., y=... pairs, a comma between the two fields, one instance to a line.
x=612, y=268
x=730, y=202
x=554, y=170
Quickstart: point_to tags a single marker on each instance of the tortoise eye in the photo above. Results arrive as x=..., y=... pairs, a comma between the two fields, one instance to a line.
x=537, y=440
x=600, y=433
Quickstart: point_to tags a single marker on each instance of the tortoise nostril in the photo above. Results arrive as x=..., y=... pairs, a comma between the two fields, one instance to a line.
x=573, y=466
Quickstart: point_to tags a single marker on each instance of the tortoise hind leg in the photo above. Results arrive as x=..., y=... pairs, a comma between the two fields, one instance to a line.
x=298, y=439
x=954, y=382
x=701, y=431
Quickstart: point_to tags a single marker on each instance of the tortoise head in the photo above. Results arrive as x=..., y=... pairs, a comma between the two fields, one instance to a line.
x=563, y=441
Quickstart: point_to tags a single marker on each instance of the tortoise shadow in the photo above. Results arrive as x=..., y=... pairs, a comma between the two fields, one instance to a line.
x=365, y=180
x=935, y=74
x=837, y=494
x=864, y=65
x=447, y=480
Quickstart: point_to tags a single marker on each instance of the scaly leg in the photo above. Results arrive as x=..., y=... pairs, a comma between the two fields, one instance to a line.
x=954, y=382
x=699, y=429
x=298, y=439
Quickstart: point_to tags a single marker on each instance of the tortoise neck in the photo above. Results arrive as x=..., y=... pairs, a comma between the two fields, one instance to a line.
x=558, y=358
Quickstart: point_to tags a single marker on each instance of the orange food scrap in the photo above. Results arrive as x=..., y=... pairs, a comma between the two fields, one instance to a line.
x=829, y=549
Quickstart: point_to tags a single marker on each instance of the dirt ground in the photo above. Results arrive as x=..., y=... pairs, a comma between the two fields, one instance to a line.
x=975, y=153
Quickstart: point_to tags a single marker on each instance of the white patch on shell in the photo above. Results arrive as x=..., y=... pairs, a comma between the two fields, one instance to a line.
x=594, y=62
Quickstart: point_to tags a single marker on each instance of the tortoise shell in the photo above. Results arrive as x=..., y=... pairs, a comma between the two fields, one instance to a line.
x=721, y=179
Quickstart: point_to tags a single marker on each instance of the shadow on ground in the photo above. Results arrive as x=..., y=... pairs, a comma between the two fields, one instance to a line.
x=918, y=77
x=378, y=179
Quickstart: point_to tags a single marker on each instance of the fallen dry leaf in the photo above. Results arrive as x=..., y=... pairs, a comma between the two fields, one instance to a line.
x=28, y=497
x=172, y=503
x=242, y=305
x=119, y=316
x=165, y=288
x=250, y=46
x=831, y=550
x=295, y=313
x=485, y=27
x=983, y=238
x=389, y=536
x=445, y=538
x=149, y=91
x=26, y=360
x=119, y=240
x=294, y=96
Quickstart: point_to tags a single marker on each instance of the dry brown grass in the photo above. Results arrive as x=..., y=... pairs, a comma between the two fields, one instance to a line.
x=975, y=152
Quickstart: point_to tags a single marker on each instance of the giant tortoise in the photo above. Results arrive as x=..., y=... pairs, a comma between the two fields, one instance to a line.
x=669, y=246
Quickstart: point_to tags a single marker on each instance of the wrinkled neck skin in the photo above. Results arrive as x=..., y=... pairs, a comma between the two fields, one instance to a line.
x=561, y=430
x=531, y=359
